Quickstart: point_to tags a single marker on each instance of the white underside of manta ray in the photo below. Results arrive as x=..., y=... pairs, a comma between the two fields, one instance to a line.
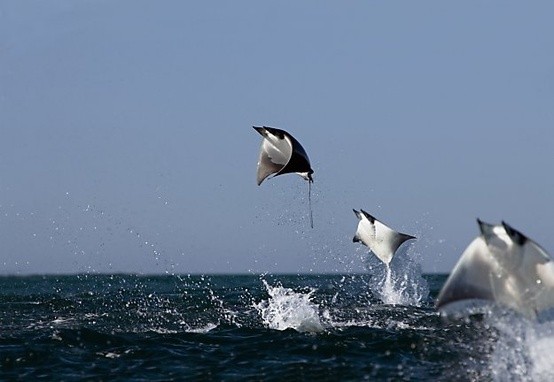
x=281, y=153
x=382, y=240
x=502, y=266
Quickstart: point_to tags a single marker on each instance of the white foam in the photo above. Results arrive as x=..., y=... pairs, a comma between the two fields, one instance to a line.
x=287, y=309
x=111, y=355
x=524, y=350
x=202, y=330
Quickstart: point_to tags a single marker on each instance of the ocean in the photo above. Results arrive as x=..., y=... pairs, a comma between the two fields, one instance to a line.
x=352, y=327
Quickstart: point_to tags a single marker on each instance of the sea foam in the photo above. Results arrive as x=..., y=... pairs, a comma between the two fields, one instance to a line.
x=524, y=350
x=287, y=309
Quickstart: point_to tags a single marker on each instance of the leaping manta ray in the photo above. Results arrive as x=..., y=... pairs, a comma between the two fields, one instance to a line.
x=281, y=153
x=382, y=240
x=503, y=266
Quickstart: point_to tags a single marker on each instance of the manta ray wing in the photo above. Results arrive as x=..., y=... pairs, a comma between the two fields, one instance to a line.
x=470, y=278
x=531, y=283
x=271, y=161
x=544, y=298
x=275, y=153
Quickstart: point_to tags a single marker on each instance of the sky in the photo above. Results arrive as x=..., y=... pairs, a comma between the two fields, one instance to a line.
x=126, y=142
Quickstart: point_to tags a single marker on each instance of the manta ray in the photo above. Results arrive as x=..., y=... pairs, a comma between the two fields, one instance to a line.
x=502, y=266
x=281, y=153
x=382, y=240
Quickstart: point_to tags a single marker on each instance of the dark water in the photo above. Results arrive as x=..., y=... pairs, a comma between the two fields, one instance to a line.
x=317, y=327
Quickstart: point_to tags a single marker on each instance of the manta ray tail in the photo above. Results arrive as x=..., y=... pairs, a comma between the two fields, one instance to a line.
x=310, y=181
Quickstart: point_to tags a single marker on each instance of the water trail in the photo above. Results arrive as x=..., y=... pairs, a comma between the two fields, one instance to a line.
x=287, y=309
x=401, y=282
x=389, y=294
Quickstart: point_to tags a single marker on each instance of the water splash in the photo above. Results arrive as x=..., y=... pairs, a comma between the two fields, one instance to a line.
x=287, y=309
x=524, y=350
x=389, y=293
x=401, y=283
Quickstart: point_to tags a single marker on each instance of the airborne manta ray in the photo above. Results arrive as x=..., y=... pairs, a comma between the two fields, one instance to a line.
x=281, y=153
x=382, y=240
x=503, y=266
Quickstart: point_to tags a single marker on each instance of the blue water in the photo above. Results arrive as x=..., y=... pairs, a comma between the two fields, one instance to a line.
x=250, y=327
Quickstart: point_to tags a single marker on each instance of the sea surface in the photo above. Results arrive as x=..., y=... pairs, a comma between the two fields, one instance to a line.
x=376, y=327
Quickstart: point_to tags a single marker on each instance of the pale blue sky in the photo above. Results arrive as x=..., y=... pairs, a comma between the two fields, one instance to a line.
x=126, y=142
